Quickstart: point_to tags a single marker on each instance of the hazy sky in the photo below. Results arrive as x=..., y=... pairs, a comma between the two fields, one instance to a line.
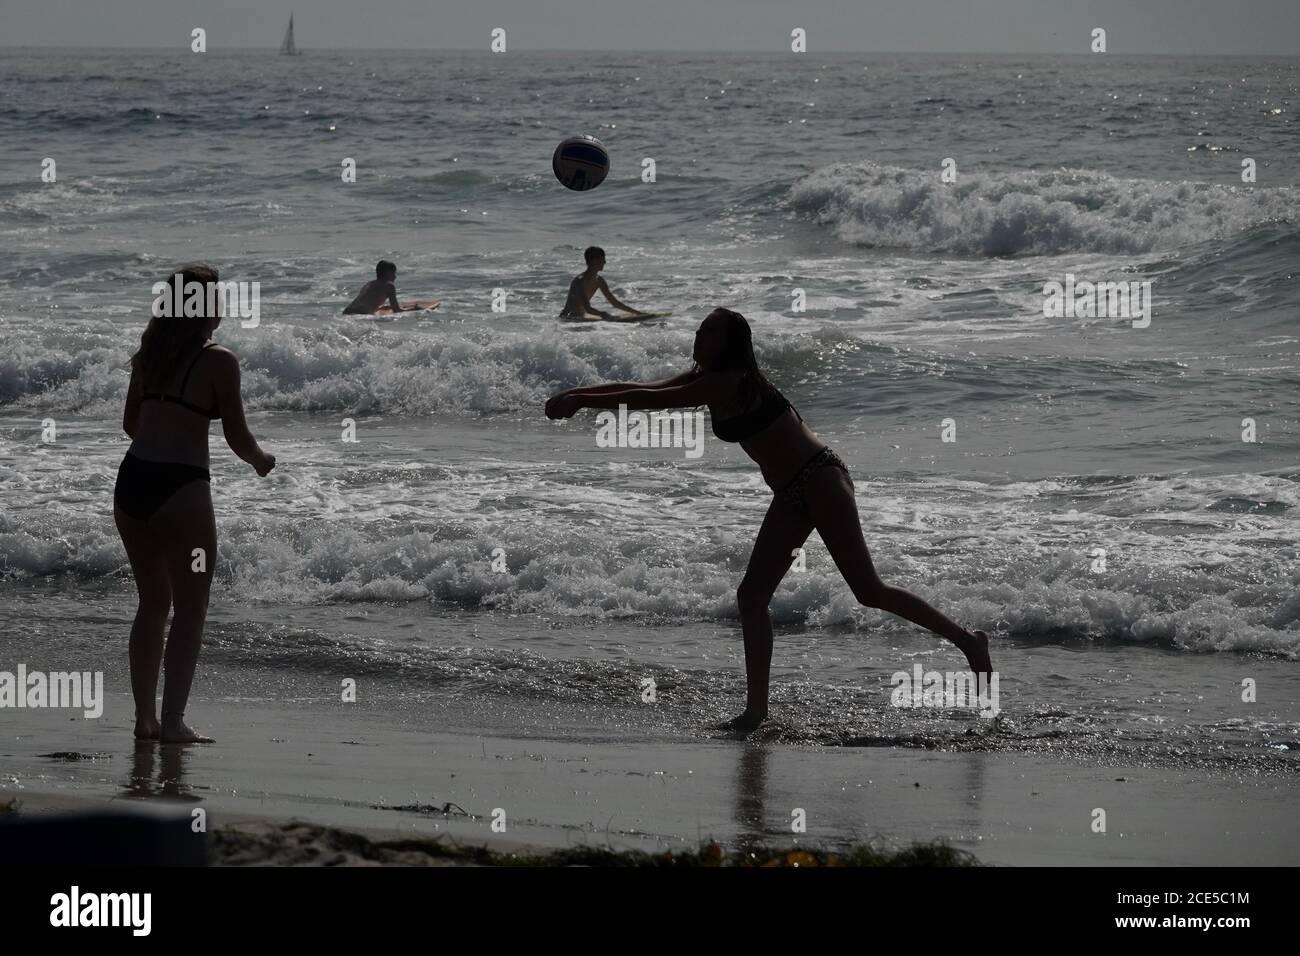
x=995, y=26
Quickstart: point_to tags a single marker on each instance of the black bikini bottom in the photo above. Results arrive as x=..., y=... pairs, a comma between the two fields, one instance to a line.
x=144, y=486
x=793, y=492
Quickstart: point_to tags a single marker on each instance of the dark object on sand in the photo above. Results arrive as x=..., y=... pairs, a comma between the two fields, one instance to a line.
x=127, y=837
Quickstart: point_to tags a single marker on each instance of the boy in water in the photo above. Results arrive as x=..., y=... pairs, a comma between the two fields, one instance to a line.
x=584, y=286
x=380, y=289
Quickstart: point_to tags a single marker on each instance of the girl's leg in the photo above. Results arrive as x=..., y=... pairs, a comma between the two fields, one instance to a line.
x=187, y=523
x=835, y=512
x=144, y=549
x=784, y=529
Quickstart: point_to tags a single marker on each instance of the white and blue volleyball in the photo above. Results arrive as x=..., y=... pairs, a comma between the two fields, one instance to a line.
x=581, y=162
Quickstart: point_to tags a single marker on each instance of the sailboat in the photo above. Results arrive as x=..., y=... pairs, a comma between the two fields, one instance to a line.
x=287, y=47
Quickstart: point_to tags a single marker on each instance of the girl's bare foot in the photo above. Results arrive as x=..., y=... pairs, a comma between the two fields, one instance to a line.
x=147, y=728
x=746, y=722
x=179, y=732
x=976, y=649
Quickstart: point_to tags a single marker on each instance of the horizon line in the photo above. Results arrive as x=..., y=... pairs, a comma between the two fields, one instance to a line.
x=590, y=50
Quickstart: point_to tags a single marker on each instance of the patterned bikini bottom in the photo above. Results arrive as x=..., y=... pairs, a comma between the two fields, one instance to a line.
x=793, y=492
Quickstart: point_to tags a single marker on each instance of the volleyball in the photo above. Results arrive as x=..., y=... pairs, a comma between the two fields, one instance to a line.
x=580, y=162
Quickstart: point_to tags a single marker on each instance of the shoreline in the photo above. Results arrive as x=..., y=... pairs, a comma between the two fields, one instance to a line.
x=359, y=774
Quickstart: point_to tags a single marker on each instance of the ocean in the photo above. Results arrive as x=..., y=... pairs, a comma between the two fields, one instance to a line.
x=1099, y=512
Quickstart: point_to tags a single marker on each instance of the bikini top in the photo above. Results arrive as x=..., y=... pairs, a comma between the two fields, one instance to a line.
x=741, y=428
x=213, y=412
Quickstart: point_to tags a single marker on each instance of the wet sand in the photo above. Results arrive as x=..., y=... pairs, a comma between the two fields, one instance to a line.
x=351, y=769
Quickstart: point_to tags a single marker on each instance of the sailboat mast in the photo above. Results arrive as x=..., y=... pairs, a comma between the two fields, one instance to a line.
x=288, y=46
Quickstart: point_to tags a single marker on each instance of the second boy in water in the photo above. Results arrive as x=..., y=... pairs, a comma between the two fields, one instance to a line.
x=584, y=286
x=377, y=291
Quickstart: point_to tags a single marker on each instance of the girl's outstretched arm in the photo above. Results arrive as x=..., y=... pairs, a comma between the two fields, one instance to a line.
x=681, y=379
x=700, y=390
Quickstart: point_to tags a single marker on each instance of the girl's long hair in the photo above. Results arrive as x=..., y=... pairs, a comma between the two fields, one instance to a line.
x=167, y=340
x=738, y=355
